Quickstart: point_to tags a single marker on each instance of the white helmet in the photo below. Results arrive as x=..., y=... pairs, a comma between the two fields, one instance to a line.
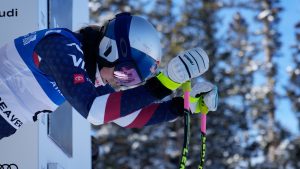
x=132, y=45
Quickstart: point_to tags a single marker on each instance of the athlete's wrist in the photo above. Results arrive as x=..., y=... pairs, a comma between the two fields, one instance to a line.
x=167, y=82
x=156, y=88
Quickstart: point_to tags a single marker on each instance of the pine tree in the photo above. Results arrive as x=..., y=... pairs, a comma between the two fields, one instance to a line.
x=293, y=89
x=269, y=18
x=238, y=72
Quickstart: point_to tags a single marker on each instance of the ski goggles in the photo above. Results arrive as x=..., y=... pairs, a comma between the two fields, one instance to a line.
x=128, y=74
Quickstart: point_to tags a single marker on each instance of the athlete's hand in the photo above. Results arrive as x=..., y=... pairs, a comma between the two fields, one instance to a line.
x=204, y=97
x=185, y=66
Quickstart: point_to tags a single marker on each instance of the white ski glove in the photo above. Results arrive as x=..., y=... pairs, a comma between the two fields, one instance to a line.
x=204, y=98
x=185, y=66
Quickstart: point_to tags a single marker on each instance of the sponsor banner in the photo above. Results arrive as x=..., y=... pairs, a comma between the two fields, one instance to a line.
x=9, y=115
x=17, y=18
x=9, y=166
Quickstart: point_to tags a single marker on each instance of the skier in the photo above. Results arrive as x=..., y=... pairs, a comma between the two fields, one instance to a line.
x=43, y=69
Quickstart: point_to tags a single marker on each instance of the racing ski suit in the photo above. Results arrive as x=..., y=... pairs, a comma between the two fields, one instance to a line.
x=43, y=69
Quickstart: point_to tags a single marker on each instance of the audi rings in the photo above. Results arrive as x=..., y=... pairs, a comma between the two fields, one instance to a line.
x=8, y=166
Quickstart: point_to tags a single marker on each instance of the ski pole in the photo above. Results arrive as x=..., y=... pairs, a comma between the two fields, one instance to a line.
x=186, y=88
x=203, y=139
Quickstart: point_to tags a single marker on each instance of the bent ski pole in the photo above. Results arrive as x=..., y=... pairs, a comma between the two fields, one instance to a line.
x=185, y=149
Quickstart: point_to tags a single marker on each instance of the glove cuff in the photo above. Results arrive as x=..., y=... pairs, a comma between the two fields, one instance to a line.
x=167, y=82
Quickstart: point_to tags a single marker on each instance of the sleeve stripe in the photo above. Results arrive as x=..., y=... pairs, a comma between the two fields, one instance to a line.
x=36, y=59
x=143, y=117
x=113, y=107
x=96, y=114
x=126, y=120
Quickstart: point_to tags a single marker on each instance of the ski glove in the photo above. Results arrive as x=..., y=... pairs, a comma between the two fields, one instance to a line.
x=204, y=98
x=185, y=66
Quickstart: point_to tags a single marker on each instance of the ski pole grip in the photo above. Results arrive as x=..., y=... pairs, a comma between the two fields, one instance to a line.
x=186, y=88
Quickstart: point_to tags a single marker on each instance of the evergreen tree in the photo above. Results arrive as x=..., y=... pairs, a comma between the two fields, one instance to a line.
x=293, y=88
x=266, y=95
x=237, y=70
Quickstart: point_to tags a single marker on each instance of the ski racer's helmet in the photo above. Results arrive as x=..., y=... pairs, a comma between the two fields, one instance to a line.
x=132, y=45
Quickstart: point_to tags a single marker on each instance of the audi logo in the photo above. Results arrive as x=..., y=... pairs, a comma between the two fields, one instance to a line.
x=8, y=166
